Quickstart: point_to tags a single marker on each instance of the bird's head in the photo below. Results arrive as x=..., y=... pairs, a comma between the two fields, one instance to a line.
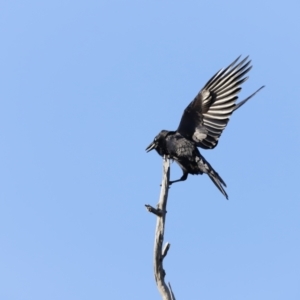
x=158, y=142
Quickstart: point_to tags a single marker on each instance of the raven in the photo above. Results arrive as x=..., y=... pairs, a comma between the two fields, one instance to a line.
x=203, y=122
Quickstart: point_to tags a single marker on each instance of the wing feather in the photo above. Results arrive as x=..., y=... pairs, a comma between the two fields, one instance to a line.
x=205, y=118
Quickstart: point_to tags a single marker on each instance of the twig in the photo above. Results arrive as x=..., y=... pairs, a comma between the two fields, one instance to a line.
x=153, y=210
x=160, y=252
x=170, y=288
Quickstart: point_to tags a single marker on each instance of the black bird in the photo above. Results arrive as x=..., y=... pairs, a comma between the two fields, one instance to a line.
x=203, y=122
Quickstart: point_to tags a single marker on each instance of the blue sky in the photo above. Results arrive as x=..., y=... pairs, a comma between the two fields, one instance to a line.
x=85, y=86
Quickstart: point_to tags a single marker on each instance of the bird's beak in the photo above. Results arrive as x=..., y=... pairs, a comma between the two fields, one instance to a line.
x=151, y=146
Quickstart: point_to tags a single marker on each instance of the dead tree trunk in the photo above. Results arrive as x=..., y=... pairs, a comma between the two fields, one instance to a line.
x=160, y=252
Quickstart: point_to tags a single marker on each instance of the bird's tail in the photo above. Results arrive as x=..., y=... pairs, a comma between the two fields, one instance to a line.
x=205, y=167
x=218, y=181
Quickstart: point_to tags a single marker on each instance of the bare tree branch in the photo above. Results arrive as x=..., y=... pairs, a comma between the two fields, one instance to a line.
x=160, y=252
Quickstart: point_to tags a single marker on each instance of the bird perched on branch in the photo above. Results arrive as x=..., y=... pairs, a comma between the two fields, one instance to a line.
x=203, y=122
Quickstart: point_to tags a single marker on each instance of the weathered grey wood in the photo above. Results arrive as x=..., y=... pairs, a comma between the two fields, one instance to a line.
x=160, y=252
x=159, y=271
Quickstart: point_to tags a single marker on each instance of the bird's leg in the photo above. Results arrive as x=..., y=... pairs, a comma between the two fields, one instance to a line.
x=183, y=177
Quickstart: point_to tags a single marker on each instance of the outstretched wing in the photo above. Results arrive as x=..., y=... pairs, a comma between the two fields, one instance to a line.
x=205, y=118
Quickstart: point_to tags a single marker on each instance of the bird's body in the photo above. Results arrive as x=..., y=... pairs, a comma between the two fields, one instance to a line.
x=182, y=151
x=186, y=154
x=203, y=122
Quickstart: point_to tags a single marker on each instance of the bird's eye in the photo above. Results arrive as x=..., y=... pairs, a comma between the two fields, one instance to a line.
x=155, y=139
